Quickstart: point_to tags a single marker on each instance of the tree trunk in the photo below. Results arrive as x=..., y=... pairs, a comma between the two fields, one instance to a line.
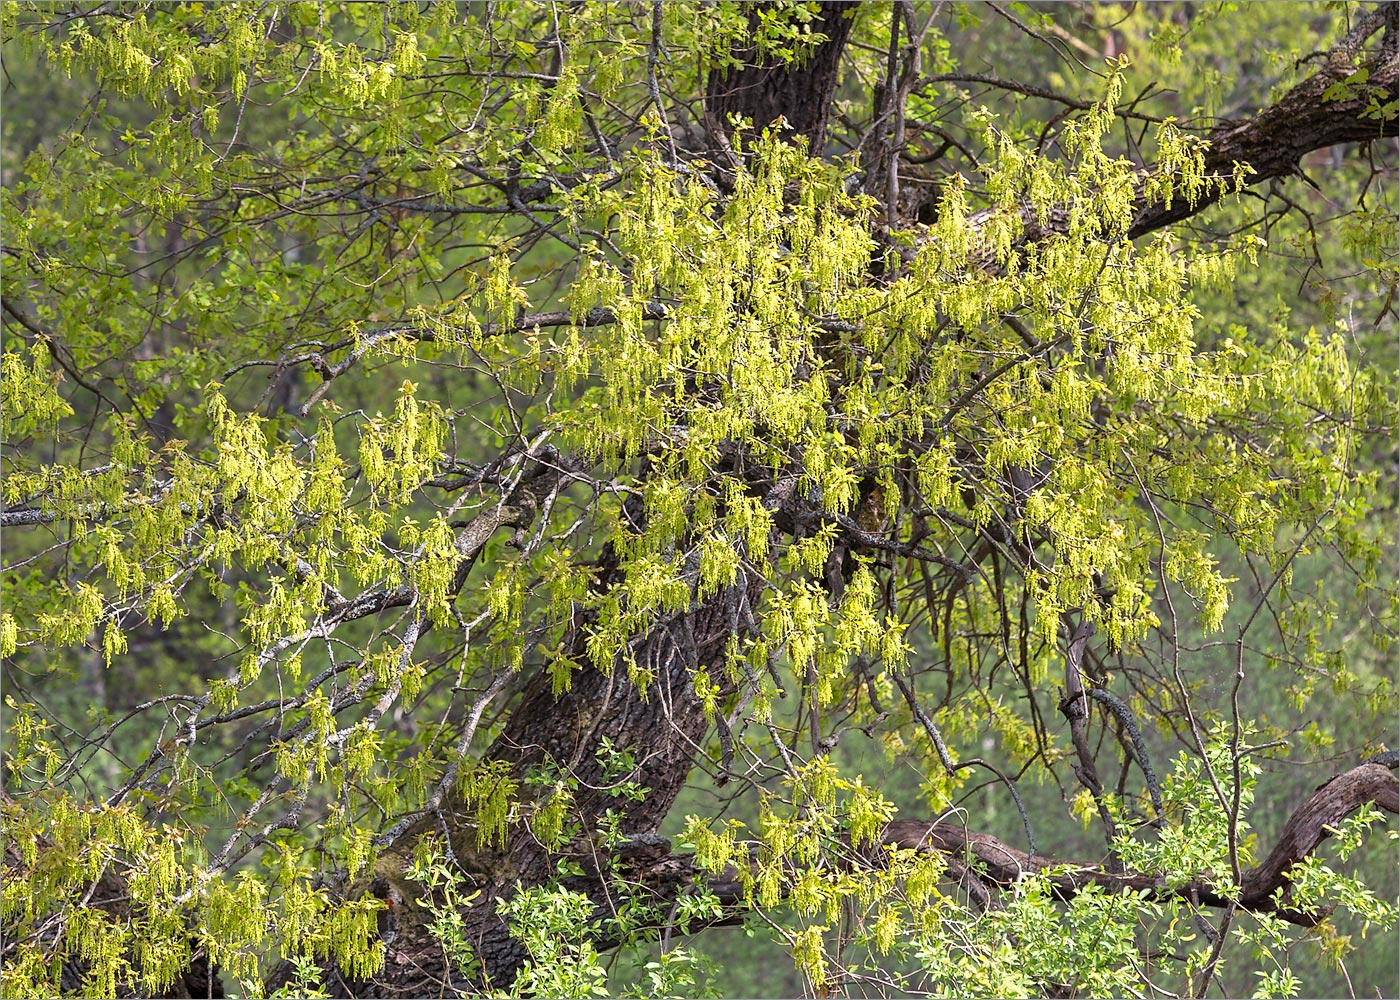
x=665, y=728
x=763, y=90
x=662, y=728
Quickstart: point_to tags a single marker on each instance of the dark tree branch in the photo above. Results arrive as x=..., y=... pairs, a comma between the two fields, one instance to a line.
x=1314, y=821
x=989, y=863
x=1310, y=824
x=999, y=865
x=1325, y=110
x=1303, y=120
x=1125, y=717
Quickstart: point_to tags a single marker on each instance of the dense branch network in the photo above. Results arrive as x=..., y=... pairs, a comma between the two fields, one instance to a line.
x=663, y=692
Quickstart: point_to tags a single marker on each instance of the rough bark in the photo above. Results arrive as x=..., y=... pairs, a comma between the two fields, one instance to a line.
x=1314, y=821
x=1002, y=865
x=663, y=729
x=1304, y=119
x=763, y=90
x=665, y=726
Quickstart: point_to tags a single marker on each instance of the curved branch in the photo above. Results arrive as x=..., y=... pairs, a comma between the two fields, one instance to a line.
x=649, y=863
x=1327, y=109
x=1125, y=716
x=1340, y=103
x=998, y=864
x=1310, y=824
x=937, y=739
x=1314, y=821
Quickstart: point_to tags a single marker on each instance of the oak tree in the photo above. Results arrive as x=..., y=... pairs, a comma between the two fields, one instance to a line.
x=439, y=437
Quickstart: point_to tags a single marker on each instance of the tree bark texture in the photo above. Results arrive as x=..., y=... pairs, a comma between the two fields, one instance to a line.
x=764, y=89
x=663, y=728
x=1305, y=119
x=1323, y=111
x=666, y=727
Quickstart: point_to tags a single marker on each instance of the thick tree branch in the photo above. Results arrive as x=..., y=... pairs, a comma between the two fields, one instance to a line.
x=1309, y=825
x=1339, y=103
x=648, y=862
x=1314, y=821
x=1305, y=119
x=997, y=864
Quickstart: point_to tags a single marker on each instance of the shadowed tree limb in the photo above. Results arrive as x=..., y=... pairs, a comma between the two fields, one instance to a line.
x=999, y=866
x=1335, y=105
x=1310, y=824
x=1327, y=109
x=646, y=862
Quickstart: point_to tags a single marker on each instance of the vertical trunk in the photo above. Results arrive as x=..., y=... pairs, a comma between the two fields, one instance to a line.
x=764, y=89
x=664, y=728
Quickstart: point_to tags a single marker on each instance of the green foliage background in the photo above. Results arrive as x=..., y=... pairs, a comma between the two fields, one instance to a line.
x=264, y=358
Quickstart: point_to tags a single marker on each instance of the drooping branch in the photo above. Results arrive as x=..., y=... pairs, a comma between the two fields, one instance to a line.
x=1337, y=104
x=647, y=864
x=998, y=865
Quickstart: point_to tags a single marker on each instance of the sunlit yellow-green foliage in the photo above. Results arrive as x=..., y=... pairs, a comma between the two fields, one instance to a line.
x=164, y=876
x=1126, y=451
